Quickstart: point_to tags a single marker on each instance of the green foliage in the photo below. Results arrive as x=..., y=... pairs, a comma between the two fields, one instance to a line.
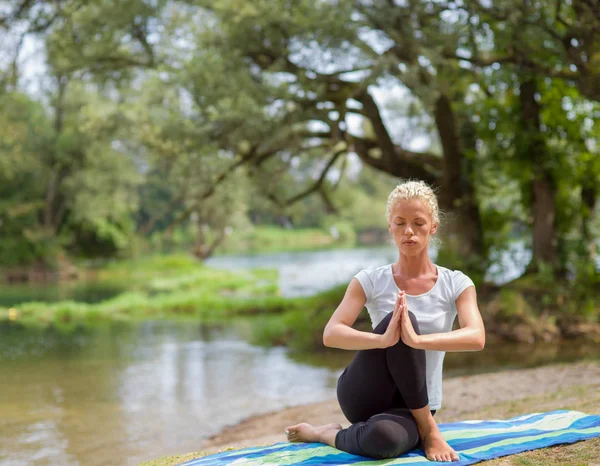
x=342, y=231
x=514, y=305
x=160, y=287
x=62, y=189
x=194, y=121
x=301, y=326
x=277, y=239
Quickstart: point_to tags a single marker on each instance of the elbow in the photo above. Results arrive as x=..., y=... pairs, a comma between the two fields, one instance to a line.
x=480, y=343
x=327, y=337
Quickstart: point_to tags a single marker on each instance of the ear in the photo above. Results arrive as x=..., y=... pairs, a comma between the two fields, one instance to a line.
x=433, y=229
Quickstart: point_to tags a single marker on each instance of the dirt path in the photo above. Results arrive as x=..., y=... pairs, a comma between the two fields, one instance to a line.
x=463, y=397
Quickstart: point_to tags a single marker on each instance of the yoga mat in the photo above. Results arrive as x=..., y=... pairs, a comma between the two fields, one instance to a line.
x=474, y=441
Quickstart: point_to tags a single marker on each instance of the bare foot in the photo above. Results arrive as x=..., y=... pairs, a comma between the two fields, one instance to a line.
x=437, y=449
x=304, y=432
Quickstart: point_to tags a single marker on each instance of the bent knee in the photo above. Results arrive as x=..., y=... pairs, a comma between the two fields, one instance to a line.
x=386, y=439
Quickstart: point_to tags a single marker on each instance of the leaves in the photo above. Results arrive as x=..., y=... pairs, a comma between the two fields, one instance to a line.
x=177, y=114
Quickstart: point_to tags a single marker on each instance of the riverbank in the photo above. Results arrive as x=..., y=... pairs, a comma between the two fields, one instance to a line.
x=527, y=310
x=259, y=239
x=498, y=395
x=157, y=287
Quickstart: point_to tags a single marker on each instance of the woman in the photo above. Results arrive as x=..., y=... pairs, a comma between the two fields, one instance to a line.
x=393, y=387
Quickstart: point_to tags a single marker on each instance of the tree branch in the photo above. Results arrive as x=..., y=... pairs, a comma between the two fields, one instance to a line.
x=403, y=164
x=315, y=187
x=211, y=190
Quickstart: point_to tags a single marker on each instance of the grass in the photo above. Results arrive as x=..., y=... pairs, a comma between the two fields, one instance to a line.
x=265, y=239
x=300, y=327
x=160, y=287
x=581, y=398
x=179, y=287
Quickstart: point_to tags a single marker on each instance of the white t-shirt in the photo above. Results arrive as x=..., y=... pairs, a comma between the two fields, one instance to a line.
x=435, y=312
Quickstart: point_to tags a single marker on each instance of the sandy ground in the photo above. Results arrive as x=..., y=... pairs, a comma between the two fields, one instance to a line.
x=463, y=397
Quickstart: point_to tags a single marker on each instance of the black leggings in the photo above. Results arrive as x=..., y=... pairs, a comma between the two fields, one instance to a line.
x=376, y=393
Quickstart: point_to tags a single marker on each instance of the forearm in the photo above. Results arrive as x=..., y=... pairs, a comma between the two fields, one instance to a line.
x=464, y=339
x=344, y=337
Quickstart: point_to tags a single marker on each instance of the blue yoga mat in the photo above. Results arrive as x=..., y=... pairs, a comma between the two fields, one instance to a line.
x=474, y=441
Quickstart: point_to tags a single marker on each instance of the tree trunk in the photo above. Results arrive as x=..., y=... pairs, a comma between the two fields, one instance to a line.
x=204, y=251
x=543, y=185
x=57, y=172
x=589, y=194
x=463, y=231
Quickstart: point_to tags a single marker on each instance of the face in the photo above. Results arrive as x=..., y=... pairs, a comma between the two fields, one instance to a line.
x=411, y=225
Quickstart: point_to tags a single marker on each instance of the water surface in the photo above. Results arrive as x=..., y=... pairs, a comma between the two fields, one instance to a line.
x=304, y=273
x=128, y=393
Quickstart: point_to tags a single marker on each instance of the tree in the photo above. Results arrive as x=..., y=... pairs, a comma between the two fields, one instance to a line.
x=319, y=97
x=545, y=44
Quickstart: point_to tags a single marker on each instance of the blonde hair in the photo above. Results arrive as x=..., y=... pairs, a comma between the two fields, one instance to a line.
x=414, y=190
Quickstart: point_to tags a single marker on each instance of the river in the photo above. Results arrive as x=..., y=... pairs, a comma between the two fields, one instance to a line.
x=125, y=393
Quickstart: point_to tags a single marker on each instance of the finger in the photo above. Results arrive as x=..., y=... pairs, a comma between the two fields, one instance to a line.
x=397, y=316
x=402, y=314
x=401, y=311
x=398, y=303
x=398, y=300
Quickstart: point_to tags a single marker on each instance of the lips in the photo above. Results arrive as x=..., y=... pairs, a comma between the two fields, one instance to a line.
x=410, y=242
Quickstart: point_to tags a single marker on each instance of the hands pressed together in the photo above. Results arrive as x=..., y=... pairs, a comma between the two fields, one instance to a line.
x=400, y=326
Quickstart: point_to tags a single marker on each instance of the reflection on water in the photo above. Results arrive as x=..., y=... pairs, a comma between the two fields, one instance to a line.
x=501, y=356
x=494, y=357
x=122, y=395
x=85, y=291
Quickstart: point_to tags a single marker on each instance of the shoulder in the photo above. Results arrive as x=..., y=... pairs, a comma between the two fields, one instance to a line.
x=452, y=275
x=374, y=274
x=372, y=279
x=455, y=280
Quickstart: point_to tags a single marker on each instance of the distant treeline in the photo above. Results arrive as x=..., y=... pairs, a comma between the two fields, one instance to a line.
x=150, y=118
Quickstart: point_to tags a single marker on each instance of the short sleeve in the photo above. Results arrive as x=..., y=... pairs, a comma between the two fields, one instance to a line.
x=460, y=283
x=367, y=284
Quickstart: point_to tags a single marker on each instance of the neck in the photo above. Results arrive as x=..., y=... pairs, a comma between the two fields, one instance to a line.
x=414, y=266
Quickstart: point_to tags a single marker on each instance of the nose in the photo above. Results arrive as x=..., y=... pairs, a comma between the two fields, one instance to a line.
x=408, y=231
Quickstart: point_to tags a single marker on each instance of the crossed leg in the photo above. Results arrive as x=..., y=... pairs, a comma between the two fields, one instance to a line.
x=383, y=393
